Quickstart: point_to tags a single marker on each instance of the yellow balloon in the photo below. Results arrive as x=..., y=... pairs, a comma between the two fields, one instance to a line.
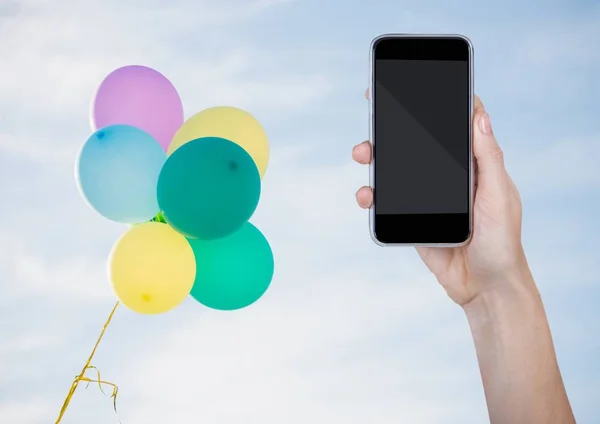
x=152, y=268
x=230, y=123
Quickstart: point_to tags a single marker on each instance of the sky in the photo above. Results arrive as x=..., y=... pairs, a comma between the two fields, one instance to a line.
x=348, y=331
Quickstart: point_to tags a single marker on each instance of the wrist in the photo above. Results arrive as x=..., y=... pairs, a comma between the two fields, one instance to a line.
x=512, y=294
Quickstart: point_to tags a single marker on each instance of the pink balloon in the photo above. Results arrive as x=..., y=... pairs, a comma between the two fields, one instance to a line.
x=141, y=97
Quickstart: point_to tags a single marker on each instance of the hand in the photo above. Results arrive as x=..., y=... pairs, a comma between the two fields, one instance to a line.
x=489, y=277
x=495, y=253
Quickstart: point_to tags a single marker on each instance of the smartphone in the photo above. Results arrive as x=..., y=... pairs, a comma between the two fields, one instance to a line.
x=421, y=107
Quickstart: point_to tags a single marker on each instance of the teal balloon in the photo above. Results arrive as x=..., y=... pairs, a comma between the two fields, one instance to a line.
x=208, y=188
x=232, y=272
x=117, y=171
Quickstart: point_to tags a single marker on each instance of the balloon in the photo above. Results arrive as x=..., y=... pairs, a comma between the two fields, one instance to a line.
x=152, y=268
x=232, y=272
x=208, y=188
x=117, y=170
x=229, y=123
x=141, y=97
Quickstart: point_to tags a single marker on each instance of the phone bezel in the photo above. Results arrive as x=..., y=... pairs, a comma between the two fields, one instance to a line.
x=372, y=138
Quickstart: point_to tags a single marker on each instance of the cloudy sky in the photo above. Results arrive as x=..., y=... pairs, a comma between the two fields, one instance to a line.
x=348, y=332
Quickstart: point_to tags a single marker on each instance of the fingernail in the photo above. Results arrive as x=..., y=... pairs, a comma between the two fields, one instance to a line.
x=485, y=126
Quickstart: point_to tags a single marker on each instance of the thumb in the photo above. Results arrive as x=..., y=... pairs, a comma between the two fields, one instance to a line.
x=489, y=155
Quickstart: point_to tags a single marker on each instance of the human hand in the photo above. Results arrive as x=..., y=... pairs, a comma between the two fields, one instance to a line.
x=494, y=254
x=489, y=277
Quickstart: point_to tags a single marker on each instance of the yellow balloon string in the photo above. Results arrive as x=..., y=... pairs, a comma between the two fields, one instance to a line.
x=87, y=366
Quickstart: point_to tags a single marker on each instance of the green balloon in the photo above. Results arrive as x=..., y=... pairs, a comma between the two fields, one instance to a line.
x=232, y=272
x=208, y=188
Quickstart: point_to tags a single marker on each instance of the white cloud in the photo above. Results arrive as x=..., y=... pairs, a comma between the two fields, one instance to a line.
x=74, y=54
x=32, y=410
x=77, y=278
x=314, y=349
x=250, y=79
x=568, y=46
x=51, y=91
x=38, y=149
x=565, y=164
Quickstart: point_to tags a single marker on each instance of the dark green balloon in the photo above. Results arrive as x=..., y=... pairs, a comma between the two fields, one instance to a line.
x=208, y=188
x=232, y=272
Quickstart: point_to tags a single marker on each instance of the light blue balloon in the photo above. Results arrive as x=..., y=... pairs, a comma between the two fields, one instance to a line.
x=117, y=172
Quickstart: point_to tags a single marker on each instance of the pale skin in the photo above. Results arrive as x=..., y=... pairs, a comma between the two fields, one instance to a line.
x=490, y=280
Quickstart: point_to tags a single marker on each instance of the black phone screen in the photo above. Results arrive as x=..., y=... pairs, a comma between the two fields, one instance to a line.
x=422, y=128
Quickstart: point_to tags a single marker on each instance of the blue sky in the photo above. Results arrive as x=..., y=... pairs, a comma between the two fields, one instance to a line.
x=348, y=332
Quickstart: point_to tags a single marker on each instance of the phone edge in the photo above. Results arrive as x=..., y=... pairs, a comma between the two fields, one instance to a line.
x=372, y=139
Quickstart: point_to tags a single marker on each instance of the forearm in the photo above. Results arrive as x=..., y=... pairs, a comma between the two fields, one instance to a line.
x=521, y=378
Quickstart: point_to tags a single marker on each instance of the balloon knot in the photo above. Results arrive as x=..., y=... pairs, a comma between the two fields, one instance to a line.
x=233, y=165
x=159, y=218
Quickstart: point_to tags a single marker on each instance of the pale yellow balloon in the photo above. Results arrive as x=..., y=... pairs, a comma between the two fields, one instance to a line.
x=152, y=268
x=230, y=123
